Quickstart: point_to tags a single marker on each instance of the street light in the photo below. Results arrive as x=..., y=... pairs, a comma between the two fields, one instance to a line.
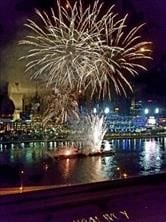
x=146, y=111
x=21, y=181
x=106, y=110
x=156, y=111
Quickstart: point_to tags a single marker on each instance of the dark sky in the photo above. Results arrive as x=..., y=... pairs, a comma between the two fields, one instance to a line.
x=14, y=12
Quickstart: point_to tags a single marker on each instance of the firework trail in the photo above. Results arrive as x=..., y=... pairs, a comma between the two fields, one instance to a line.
x=60, y=107
x=79, y=48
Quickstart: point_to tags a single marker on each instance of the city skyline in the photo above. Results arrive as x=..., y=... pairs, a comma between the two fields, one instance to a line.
x=77, y=144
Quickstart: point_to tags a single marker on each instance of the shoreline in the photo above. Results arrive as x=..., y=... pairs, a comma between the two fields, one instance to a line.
x=108, y=136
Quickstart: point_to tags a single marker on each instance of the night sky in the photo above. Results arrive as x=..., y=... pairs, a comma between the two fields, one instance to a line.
x=13, y=14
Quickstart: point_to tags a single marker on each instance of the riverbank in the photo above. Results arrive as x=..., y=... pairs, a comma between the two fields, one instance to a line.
x=108, y=136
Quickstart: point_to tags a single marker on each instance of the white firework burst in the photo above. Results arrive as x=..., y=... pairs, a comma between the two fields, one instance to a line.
x=95, y=128
x=83, y=49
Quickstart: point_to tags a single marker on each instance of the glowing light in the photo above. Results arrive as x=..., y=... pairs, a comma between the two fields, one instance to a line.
x=157, y=110
x=21, y=181
x=67, y=5
x=80, y=49
x=151, y=157
x=107, y=145
x=94, y=132
x=125, y=175
x=67, y=153
x=146, y=111
x=46, y=167
x=106, y=110
x=94, y=110
x=116, y=109
x=67, y=167
x=142, y=49
x=21, y=188
x=151, y=120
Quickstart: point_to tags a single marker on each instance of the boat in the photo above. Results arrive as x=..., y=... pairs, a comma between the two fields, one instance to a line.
x=72, y=152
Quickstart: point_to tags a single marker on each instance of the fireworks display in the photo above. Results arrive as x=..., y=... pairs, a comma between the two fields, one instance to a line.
x=77, y=49
x=60, y=107
x=94, y=131
x=80, y=48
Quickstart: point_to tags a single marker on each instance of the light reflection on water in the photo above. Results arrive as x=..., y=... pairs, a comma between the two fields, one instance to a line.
x=151, y=157
x=132, y=156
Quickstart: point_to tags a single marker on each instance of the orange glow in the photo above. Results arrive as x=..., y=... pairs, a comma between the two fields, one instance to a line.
x=21, y=189
x=67, y=152
x=67, y=5
x=142, y=49
x=125, y=175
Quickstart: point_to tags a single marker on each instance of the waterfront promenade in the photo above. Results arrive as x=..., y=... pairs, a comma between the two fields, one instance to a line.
x=140, y=199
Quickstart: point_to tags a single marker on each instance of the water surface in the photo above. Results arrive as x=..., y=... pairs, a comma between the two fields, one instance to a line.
x=30, y=164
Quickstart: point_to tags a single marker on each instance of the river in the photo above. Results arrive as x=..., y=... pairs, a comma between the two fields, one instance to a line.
x=30, y=164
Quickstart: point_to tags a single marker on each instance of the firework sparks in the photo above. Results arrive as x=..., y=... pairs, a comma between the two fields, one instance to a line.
x=81, y=48
x=94, y=131
x=60, y=107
